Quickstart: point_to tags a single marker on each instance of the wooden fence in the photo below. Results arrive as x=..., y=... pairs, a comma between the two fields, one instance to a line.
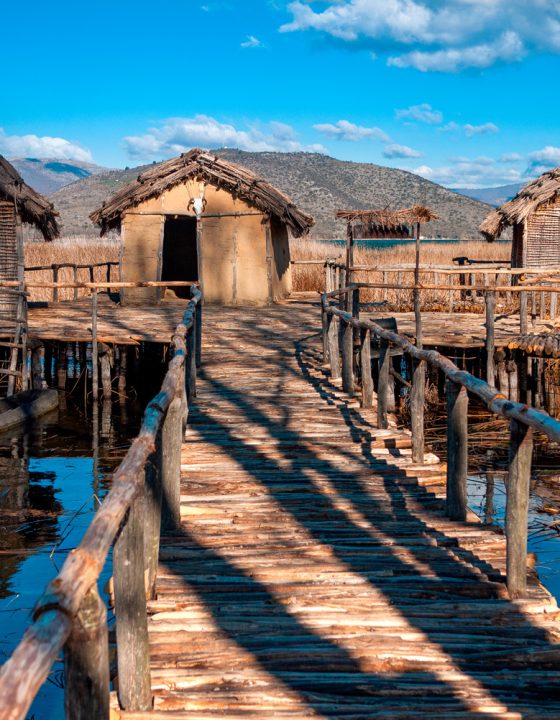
x=347, y=349
x=144, y=498
x=57, y=272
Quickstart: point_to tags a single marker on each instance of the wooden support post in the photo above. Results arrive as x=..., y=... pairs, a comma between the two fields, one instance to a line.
x=417, y=400
x=349, y=252
x=450, y=298
x=383, y=384
x=55, y=280
x=105, y=363
x=325, y=331
x=513, y=380
x=134, y=683
x=517, y=507
x=75, y=268
x=355, y=331
x=94, y=358
x=86, y=662
x=36, y=369
x=523, y=321
x=385, y=281
x=152, y=517
x=365, y=364
x=457, y=450
x=503, y=379
x=190, y=365
x=490, y=302
x=334, y=348
x=416, y=294
x=91, y=274
x=123, y=356
x=533, y=308
x=553, y=303
x=198, y=330
x=171, y=440
x=348, y=358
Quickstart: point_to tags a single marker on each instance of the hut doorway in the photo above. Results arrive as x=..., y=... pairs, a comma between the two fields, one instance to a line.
x=180, y=254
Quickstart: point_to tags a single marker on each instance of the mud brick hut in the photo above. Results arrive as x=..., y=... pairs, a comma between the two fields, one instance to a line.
x=534, y=214
x=200, y=218
x=19, y=204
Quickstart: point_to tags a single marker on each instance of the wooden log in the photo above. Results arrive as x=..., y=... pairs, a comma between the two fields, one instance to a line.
x=152, y=516
x=105, y=363
x=190, y=365
x=457, y=450
x=490, y=302
x=523, y=320
x=61, y=367
x=134, y=684
x=517, y=507
x=553, y=305
x=36, y=366
x=55, y=283
x=75, y=282
x=365, y=365
x=383, y=384
x=334, y=349
x=171, y=440
x=503, y=379
x=417, y=402
x=198, y=329
x=123, y=357
x=94, y=357
x=325, y=334
x=31, y=406
x=86, y=662
x=348, y=358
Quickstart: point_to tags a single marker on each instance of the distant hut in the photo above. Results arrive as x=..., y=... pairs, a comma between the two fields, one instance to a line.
x=200, y=218
x=534, y=214
x=19, y=204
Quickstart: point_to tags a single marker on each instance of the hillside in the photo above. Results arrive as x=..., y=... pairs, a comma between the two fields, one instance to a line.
x=48, y=175
x=493, y=196
x=317, y=183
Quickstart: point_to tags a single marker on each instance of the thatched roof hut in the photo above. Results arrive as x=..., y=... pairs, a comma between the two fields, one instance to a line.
x=31, y=207
x=534, y=214
x=380, y=224
x=200, y=218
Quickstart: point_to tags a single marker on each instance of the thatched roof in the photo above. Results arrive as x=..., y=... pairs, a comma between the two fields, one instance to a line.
x=32, y=207
x=201, y=165
x=386, y=223
x=545, y=189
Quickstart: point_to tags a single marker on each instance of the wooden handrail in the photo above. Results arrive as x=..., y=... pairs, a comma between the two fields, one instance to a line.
x=523, y=418
x=58, y=614
x=36, y=268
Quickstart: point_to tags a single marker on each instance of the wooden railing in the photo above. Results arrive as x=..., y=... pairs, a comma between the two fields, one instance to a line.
x=347, y=350
x=70, y=615
x=56, y=269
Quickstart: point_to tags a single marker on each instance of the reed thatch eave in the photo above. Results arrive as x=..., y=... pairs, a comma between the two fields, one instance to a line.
x=32, y=207
x=201, y=165
x=388, y=223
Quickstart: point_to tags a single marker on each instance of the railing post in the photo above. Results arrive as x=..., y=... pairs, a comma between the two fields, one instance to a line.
x=523, y=323
x=86, y=662
x=134, y=683
x=348, y=357
x=490, y=302
x=325, y=333
x=152, y=516
x=457, y=450
x=75, y=268
x=365, y=363
x=55, y=280
x=383, y=384
x=94, y=349
x=517, y=507
x=190, y=365
x=417, y=400
x=171, y=441
x=334, y=349
x=198, y=329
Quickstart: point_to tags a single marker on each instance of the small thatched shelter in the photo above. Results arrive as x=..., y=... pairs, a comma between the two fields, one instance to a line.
x=386, y=224
x=534, y=214
x=198, y=217
x=19, y=204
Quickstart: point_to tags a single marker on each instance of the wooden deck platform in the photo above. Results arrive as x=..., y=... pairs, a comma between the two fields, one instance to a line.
x=155, y=323
x=316, y=574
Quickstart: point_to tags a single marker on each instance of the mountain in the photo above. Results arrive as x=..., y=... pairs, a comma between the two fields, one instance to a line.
x=317, y=183
x=48, y=175
x=493, y=196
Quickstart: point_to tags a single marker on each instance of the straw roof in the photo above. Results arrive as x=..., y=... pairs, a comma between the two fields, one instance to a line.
x=32, y=207
x=203, y=166
x=542, y=191
x=386, y=223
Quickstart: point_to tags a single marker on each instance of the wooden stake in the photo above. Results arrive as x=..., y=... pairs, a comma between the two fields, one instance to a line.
x=517, y=507
x=171, y=440
x=152, y=517
x=417, y=401
x=86, y=662
x=457, y=450
x=365, y=365
x=94, y=357
x=490, y=302
x=334, y=349
x=348, y=358
x=383, y=384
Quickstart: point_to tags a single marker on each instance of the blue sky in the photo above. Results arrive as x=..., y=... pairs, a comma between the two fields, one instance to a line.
x=461, y=91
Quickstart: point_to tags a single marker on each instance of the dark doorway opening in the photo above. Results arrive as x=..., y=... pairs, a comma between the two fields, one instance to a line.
x=180, y=257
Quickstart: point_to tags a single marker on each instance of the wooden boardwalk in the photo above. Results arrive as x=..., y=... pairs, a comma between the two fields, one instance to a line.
x=316, y=574
x=129, y=325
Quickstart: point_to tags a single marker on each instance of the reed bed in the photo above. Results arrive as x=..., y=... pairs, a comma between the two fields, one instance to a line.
x=311, y=278
x=77, y=250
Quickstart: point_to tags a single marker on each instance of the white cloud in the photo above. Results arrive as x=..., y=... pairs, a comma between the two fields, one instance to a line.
x=345, y=130
x=542, y=160
x=431, y=35
x=471, y=173
x=510, y=157
x=423, y=113
x=42, y=147
x=252, y=42
x=176, y=135
x=401, y=151
x=485, y=129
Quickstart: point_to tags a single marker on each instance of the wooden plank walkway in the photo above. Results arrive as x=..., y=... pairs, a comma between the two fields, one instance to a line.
x=155, y=323
x=316, y=574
